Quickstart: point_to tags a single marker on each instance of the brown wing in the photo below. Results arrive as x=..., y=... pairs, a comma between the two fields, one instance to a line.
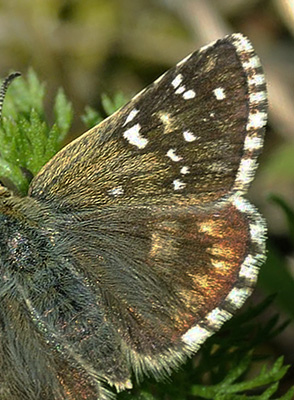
x=193, y=135
x=156, y=246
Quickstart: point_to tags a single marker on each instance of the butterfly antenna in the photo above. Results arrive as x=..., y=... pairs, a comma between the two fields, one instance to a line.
x=4, y=88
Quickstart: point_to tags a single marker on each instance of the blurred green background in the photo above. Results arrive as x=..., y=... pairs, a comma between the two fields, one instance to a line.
x=91, y=47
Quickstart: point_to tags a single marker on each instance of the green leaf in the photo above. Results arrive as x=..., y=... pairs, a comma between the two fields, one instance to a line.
x=111, y=105
x=27, y=141
x=289, y=395
x=63, y=112
x=91, y=117
x=12, y=176
x=269, y=375
x=23, y=95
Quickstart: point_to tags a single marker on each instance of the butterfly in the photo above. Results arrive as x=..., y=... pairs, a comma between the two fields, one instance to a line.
x=135, y=243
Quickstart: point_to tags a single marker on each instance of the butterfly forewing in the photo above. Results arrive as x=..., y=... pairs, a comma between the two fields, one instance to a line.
x=153, y=245
x=180, y=140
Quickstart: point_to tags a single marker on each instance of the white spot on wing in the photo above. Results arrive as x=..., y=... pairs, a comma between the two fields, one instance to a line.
x=253, y=62
x=134, y=137
x=188, y=136
x=249, y=269
x=196, y=335
x=180, y=90
x=242, y=43
x=185, y=170
x=257, y=232
x=256, y=120
x=242, y=205
x=238, y=296
x=257, y=79
x=172, y=155
x=116, y=191
x=190, y=94
x=131, y=116
x=217, y=317
x=219, y=93
x=178, y=184
x=177, y=81
x=253, y=143
x=246, y=170
x=257, y=97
